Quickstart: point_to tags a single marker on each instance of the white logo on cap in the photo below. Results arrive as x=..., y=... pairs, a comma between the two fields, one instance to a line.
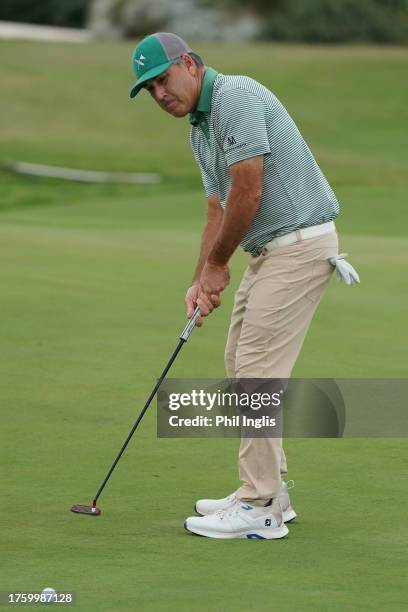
x=140, y=61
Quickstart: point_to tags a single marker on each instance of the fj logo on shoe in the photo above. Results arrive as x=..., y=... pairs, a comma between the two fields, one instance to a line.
x=231, y=141
x=268, y=522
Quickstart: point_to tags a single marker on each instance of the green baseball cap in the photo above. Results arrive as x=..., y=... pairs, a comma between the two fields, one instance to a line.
x=154, y=55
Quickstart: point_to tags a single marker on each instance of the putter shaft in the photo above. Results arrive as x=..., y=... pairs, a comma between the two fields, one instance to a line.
x=183, y=339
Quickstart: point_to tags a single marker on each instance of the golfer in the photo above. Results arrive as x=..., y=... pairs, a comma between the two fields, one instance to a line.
x=267, y=194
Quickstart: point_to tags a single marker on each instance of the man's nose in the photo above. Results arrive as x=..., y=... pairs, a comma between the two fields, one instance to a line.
x=159, y=93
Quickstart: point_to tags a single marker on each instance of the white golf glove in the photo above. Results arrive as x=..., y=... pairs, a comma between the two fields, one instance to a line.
x=344, y=270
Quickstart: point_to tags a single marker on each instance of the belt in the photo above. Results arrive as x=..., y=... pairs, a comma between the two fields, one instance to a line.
x=296, y=236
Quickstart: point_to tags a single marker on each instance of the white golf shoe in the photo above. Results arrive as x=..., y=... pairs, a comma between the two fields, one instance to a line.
x=210, y=506
x=241, y=520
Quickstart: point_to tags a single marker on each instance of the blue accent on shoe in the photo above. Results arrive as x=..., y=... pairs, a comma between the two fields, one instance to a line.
x=247, y=507
x=185, y=525
x=255, y=536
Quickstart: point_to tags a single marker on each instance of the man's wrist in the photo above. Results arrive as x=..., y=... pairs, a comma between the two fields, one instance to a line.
x=217, y=259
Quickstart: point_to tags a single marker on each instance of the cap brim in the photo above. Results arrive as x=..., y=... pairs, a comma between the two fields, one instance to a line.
x=150, y=74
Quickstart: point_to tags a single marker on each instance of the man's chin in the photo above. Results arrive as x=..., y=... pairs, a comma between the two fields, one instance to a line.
x=177, y=112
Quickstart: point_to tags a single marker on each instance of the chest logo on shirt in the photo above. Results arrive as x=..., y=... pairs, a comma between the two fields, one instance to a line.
x=231, y=141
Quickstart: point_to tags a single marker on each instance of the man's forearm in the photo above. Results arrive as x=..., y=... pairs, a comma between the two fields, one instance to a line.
x=238, y=215
x=242, y=203
x=208, y=238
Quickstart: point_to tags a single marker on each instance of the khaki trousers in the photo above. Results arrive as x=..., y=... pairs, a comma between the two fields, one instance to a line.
x=273, y=308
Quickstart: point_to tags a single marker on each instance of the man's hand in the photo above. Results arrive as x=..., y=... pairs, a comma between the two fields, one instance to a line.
x=195, y=297
x=191, y=302
x=214, y=278
x=206, y=293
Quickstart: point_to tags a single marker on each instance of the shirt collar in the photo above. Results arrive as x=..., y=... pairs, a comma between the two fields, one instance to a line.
x=204, y=103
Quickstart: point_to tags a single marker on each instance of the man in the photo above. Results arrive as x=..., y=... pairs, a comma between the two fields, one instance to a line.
x=266, y=193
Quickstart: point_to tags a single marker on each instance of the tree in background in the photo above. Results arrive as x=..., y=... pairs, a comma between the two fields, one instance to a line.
x=327, y=21
x=67, y=13
x=336, y=21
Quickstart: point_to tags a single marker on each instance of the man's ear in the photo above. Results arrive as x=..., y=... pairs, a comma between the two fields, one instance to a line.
x=190, y=64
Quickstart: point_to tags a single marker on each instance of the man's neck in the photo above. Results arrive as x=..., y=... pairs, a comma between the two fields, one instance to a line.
x=200, y=78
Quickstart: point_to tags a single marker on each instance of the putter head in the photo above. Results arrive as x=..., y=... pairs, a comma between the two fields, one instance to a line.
x=92, y=510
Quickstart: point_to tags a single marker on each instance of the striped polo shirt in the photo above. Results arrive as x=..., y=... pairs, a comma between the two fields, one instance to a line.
x=237, y=118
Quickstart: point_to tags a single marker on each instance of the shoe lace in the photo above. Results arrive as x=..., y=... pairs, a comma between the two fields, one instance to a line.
x=289, y=484
x=232, y=511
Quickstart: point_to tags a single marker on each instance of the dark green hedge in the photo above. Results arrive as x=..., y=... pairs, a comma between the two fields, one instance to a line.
x=336, y=21
x=68, y=13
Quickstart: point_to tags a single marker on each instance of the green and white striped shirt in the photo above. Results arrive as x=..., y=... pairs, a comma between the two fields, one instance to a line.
x=238, y=118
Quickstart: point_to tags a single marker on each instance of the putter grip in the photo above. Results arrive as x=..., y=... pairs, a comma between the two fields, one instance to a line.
x=190, y=325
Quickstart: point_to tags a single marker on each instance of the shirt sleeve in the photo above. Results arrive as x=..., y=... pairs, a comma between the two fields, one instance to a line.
x=240, y=125
x=210, y=183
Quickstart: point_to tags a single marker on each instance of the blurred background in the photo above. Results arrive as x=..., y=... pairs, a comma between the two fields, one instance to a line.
x=92, y=283
x=325, y=21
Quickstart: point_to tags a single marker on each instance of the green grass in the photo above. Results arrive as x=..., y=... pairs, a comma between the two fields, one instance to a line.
x=92, y=285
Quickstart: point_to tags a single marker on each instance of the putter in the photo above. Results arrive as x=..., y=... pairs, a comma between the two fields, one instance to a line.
x=93, y=510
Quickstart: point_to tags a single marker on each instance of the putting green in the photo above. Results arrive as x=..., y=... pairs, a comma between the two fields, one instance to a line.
x=92, y=282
